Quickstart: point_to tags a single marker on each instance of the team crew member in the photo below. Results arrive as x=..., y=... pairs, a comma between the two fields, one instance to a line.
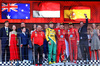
x=50, y=37
x=73, y=40
x=61, y=33
x=37, y=39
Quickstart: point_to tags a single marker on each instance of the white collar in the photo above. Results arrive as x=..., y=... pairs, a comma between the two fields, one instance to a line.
x=23, y=32
x=6, y=27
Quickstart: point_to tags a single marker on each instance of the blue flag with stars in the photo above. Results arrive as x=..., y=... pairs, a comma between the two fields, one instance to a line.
x=15, y=11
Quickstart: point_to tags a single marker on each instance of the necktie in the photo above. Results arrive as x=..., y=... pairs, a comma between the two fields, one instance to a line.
x=24, y=34
x=6, y=31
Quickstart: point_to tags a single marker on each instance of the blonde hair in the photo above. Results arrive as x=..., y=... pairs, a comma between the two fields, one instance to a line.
x=94, y=24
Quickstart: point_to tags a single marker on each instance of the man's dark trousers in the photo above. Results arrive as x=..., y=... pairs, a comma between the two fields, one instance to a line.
x=84, y=48
x=24, y=50
x=5, y=47
x=38, y=49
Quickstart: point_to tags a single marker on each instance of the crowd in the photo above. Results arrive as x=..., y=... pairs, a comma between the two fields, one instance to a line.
x=52, y=43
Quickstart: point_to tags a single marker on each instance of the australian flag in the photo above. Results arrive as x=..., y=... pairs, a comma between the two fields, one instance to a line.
x=15, y=11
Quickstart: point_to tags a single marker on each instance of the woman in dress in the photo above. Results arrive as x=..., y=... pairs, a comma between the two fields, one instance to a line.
x=14, y=50
x=95, y=42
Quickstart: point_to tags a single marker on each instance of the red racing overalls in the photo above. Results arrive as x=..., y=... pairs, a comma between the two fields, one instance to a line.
x=73, y=38
x=60, y=33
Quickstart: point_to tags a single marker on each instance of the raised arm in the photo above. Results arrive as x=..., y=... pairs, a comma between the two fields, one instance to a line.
x=86, y=24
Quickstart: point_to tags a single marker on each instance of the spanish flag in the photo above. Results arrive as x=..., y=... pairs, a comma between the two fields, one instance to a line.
x=77, y=13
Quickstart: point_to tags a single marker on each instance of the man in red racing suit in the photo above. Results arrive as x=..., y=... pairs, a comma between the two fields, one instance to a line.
x=60, y=33
x=73, y=40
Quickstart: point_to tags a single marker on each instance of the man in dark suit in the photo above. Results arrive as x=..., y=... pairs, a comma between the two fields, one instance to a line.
x=84, y=39
x=24, y=44
x=19, y=31
x=4, y=35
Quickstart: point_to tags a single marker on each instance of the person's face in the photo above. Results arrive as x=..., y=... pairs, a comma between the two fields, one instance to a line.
x=51, y=25
x=81, y=24
x=22, y=24
x=14, y=27
x=7, y=24
x=24, y=30
x=94, y=26
x=70, y=26
x=58, y=26
x=46, y=26
x=61, y=26
x=34, y=26
x=66, y=27
x=39, y=28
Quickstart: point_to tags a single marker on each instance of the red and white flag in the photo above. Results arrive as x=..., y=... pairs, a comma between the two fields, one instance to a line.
x=46, y=10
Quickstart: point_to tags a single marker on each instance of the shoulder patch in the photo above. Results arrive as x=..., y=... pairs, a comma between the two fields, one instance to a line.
x=35, y=32
x=58, y=30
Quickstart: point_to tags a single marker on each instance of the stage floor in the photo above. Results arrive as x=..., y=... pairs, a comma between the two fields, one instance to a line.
x=29, y=63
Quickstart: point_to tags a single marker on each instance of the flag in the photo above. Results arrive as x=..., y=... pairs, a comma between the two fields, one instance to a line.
x=46, y=10
x=15, y=11
x=76, y=13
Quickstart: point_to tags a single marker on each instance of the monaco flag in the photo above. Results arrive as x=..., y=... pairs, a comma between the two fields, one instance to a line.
x=46, y=10
x=77, y=13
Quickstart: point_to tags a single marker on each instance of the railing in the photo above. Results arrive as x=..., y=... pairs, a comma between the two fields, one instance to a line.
x=20, y=58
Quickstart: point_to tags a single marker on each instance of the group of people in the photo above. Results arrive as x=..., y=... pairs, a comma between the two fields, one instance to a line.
x=53, y=42
x=12, y=41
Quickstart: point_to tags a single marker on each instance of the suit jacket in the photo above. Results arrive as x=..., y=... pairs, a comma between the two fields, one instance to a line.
x=24, y=39
x=19, y=31
x=83, y=31
x=4, y=37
